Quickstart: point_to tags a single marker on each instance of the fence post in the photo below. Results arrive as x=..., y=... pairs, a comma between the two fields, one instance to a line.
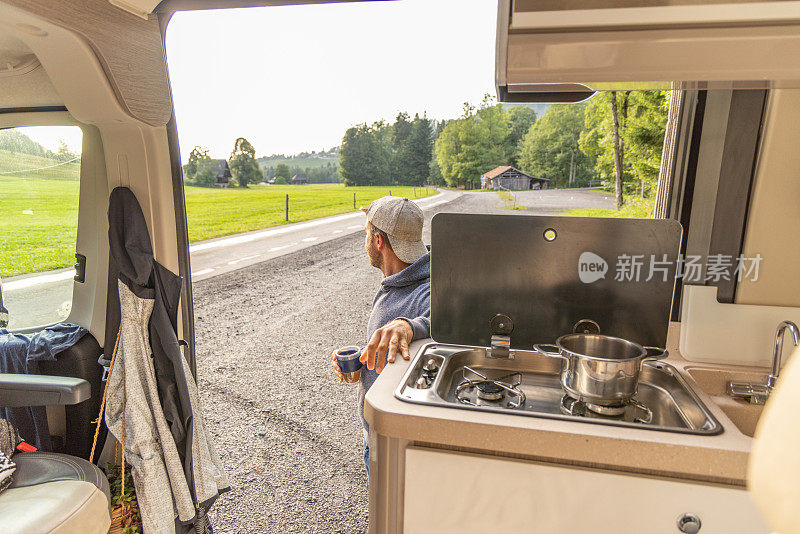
x=390, y=192
x=287, y=206
x=354, y=201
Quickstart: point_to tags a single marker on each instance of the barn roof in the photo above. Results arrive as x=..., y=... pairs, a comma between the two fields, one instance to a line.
x=217, y=166
x=497, y=171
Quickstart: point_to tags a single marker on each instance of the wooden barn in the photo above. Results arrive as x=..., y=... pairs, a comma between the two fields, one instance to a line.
x=220, y=169
x=299, y=179
x=507, y=177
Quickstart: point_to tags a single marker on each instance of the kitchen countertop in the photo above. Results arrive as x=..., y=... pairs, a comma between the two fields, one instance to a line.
x=720, y=458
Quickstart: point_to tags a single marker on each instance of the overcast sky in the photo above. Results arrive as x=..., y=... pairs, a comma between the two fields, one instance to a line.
x=294, y=78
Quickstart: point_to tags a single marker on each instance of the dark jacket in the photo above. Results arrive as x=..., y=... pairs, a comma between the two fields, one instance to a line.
x=133, y=263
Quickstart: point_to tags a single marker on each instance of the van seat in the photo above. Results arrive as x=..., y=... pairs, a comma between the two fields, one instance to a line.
x=55, y=493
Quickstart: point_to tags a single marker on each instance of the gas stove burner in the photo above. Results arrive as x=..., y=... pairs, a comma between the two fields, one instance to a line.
x=633, y=411
x=490, y=392
x=611, y=411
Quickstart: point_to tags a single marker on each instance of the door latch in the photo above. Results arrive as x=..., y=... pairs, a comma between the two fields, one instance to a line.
x=80, y=268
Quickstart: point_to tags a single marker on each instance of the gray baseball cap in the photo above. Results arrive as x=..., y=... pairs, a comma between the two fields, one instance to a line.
x=402, y=220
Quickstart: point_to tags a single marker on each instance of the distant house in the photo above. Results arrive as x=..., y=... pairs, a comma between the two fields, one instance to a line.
x=220, y=169
x=299, y=179
x=507, y=177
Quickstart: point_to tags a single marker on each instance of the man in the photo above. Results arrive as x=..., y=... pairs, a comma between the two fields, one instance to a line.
x=402, y=308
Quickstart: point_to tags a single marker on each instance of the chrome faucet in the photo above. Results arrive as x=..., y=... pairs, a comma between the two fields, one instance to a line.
x=759, y=393
x=776, y=356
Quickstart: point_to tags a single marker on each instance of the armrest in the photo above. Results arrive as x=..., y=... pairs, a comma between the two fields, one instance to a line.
x=18, y=390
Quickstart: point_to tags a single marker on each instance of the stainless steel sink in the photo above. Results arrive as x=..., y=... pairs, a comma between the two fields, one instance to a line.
x=668, y=401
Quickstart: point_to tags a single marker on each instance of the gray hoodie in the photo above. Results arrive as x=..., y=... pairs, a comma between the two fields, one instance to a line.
x=405, y=295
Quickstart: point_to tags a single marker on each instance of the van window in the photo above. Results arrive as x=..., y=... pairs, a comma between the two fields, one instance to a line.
x=39, y=185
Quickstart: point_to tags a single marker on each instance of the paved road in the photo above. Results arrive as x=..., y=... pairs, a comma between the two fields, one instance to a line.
x=46, y=298
x=548, y=202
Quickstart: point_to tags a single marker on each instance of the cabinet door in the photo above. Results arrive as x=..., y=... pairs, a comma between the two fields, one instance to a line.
x=549, y=46
x=464, y=493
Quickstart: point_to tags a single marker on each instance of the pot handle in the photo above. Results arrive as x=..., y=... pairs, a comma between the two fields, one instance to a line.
x=540, y=348
x=655, y=353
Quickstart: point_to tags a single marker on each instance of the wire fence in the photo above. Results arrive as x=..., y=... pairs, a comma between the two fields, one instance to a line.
x=418, y=192
x=36, y=169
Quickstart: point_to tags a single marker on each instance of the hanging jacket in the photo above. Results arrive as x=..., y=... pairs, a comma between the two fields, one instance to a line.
x=176, y=470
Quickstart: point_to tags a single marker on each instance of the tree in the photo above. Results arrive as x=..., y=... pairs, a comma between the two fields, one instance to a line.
x=281, y=180
x=619, y=146
x=435, y=173
x=520, y=120
x=196, y=157
x=400, y=134
x=550, y=149
x=418, y=152
x=647, y=126
x=365, y=154
x=244, y=168
x=205, y=177
x=13, y=140
x=641, y=124
x=64, y=153
x=473, y=144
x=282, y=171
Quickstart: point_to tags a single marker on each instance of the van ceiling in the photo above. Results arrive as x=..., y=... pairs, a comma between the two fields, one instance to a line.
x=142, y=8
x=23, y=81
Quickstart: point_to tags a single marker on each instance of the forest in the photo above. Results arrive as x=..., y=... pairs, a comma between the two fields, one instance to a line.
x=573, y=145
x=613, y=139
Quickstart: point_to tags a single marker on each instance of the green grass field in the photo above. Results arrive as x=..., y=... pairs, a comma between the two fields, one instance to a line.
x=39, y=217
x=38, y=213
x=39, y=221
x=219, y=212
x=633, y=208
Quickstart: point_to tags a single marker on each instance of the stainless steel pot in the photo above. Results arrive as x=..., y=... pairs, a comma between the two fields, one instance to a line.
x=600, y=370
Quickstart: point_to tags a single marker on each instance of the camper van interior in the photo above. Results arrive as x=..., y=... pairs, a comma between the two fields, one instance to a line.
x=492, y=425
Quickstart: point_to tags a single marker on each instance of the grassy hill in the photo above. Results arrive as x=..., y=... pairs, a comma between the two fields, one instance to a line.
x=321, y=169
x=303, y=163
x=17, y=165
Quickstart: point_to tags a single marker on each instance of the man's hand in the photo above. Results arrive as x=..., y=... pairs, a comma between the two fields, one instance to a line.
x=336, y=367
x=387, y=340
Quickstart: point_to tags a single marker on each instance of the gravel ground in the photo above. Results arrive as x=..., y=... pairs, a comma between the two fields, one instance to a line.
x=285, y=429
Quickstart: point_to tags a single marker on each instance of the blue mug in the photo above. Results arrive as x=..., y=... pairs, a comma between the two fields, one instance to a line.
x=348, y=360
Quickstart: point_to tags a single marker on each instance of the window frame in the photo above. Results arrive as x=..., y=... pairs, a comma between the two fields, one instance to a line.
x=88, y=297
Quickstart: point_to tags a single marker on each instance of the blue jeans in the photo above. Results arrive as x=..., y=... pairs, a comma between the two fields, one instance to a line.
x=366, y=456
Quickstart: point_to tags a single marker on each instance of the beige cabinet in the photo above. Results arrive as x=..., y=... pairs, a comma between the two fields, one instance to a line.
x=448, y=492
